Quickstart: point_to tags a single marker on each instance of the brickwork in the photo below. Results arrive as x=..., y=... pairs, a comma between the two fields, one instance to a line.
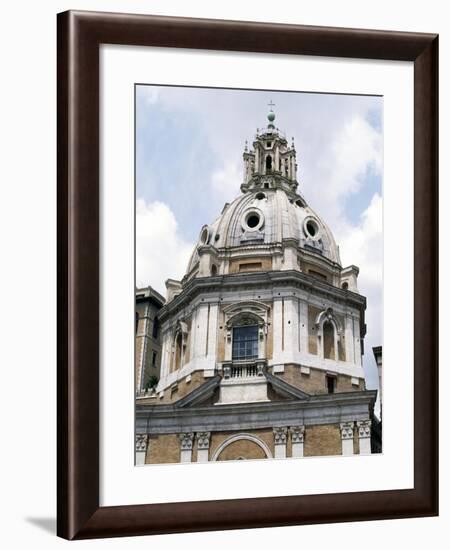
x=315, y=382
x=163, y=449
x=322, y=440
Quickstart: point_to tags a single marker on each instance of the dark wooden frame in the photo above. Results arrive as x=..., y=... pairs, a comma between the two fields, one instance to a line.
x=79, y=36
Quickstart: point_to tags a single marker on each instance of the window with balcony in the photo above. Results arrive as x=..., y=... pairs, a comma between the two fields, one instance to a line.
x=245, y=342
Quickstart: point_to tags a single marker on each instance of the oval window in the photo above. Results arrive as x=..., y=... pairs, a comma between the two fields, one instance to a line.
x=311, y=228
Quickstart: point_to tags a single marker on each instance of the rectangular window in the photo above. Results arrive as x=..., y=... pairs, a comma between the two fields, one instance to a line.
x=245, y=342
x=154, y=359
x=331, y=383
x=155, y=328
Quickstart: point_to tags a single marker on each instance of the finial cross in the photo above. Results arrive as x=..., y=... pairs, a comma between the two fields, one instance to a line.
x=271, y=104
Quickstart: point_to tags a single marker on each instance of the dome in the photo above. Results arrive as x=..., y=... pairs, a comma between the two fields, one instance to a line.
x=267, y=217
x=269, y=226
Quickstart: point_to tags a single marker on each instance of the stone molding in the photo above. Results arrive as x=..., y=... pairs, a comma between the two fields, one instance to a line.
x=280, y=436
x=297, y=279
x=203, y=440
x=141, y=443
x=297, y=434
x=347, y=430
x=186, y=441
x=364, y=428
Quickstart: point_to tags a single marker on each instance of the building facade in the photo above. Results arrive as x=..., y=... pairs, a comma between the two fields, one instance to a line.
x=262, y=339
x=148, y=346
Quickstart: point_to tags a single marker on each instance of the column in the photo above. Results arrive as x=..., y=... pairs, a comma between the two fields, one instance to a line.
x=141, y=449
x=297, y=440
x=279, y=440
x=186, y=443
x=364, y=437
x=203, y=446
x=347, y=438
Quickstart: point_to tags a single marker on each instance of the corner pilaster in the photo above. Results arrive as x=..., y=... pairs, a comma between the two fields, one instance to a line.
x=347, y=438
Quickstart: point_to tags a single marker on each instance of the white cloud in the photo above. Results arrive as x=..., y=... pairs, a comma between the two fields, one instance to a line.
x=161, y=251
x=226, y=181
x=363, y=246
x=338, y=169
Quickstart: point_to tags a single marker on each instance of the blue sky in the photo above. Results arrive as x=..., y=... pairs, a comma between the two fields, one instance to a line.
x=189, y=144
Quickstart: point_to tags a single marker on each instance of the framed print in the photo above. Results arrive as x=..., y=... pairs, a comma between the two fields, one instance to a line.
x=247, y=274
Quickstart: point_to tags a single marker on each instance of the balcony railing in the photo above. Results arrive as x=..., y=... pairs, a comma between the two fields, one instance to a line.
x=244, y=369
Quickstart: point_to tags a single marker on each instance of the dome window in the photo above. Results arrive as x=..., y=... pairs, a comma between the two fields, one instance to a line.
x=299, y=203
x=204, y=235
x=311, y=228
x=253, y=220
x=260, y=196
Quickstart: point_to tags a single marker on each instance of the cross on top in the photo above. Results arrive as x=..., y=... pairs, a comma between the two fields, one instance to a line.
x=271, y=104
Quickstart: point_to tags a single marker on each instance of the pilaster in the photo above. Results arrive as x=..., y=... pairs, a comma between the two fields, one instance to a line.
x=347, y=438
x=203, y=439
x=141, y=449
x=280, y=440
x=297, y=440
x=364, y=433
x=186, y=444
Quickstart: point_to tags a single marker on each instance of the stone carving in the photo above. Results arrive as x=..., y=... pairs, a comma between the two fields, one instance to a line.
x=187, y=440
x=347, y=430
x=141, y=443
x=297, y=434
x=280, y=436
x=364, y=428
x=203, y=440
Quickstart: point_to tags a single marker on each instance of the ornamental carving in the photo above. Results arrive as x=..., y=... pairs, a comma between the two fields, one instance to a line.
x=364, y=428
x=347, y=430
x=141, y=443
x=280, y=436
x=186, y=441
x=297, y=434
x=203, y=440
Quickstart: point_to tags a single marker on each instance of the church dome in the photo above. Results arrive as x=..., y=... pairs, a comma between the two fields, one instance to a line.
x=269, y=226
x=266, y=217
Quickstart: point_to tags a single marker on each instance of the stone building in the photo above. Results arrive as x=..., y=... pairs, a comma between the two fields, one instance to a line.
x=262, y=339
x=148, y=346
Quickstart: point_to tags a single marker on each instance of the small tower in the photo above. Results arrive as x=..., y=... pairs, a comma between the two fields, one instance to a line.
x=271, y=163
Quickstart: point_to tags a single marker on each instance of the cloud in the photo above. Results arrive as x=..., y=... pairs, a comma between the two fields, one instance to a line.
x=226, y=181
x=362, y=245
x=339, y=168
x=161, y=251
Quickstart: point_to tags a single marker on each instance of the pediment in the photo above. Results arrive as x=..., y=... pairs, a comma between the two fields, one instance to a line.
x=284, y=390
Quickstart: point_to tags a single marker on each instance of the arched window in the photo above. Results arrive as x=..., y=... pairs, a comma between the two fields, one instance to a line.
x=268, y=163
x=213, y=270
x=345, y=286
x=328, y=340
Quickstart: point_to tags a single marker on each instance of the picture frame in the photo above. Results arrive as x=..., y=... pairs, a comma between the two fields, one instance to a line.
x=80, y=35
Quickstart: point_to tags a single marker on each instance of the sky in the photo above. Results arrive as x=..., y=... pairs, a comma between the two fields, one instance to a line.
x=189, y=145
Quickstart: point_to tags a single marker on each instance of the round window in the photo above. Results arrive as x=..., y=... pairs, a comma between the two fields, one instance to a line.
x=311, y=228
x=253, y=220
